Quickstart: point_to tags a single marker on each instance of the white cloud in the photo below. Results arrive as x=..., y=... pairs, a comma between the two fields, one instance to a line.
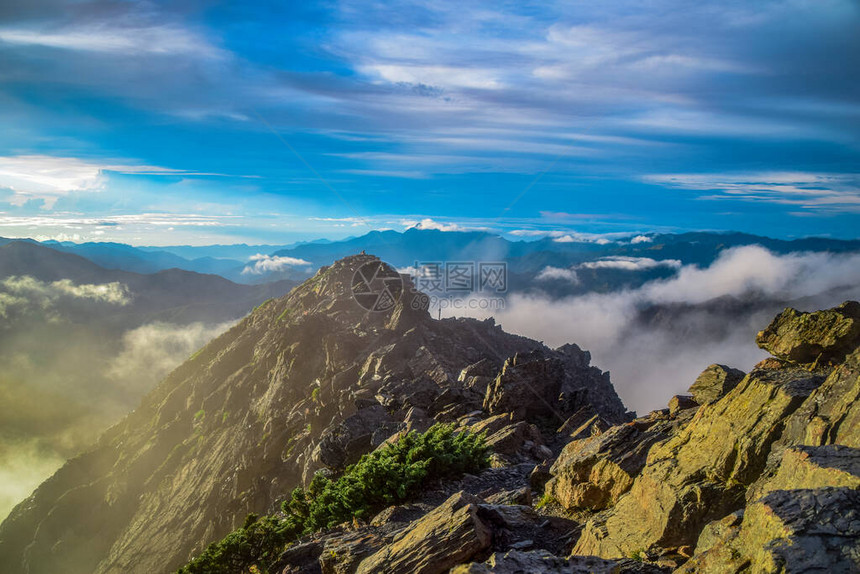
x=755, y=270
x=630, y=263
x=113, y=221
x=578, y=238
x=8, y=302
x=23, y=466
x=428, y=223
x=641, y=239
x=651, y=362
x=153, y=350
x=435, y=76
x=48, y=178
x=25, y=290
x=402, y=174
x=271, y=264
x=549, y=272
x=567, y=236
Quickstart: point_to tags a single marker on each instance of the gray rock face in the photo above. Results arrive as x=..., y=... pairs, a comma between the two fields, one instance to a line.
x=815, y=530
x=560, y=382
x=714, y=382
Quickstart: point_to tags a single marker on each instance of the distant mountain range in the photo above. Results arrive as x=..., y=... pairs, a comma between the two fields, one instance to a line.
x=172, y=293
x=403, y=249
x=558, y=266
x=80, y=344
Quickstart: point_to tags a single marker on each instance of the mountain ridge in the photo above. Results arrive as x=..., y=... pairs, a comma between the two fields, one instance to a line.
x=370, y=369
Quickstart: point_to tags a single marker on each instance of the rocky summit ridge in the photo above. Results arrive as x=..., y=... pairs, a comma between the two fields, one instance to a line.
x=305, y=383
x=749, y=472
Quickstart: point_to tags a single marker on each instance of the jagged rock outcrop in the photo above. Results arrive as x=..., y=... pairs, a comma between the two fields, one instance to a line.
x=532, y=384
x=700, y=474
x=450, y=534
x=832, y=413
x=811, y=467
x=714, y=382
x=305, y=383
x=760, y=476
x=793, y=521
x=821, y=337
x=541, y=561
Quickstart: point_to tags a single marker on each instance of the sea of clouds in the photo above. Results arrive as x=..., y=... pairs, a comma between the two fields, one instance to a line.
x=657, y=338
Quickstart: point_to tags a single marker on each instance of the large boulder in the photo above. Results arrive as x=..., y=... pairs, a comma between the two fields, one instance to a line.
x=552, y=386
x=822, y=337
x=478, y=375
x=449, y=535
x=592, y=473
x=714, y=383
x=700, y=474
x=520, y=438
x=528, y=386
x=344, y=444
x=786, y=531
x=680, y=403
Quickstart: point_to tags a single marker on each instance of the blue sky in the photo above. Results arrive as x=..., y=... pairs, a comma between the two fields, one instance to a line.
x=202, y=122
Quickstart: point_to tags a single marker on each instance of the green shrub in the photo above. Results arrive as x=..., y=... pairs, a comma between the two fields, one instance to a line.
x=390, y=475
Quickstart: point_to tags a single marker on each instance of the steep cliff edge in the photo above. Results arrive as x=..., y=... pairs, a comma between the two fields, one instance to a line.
x=307, y=382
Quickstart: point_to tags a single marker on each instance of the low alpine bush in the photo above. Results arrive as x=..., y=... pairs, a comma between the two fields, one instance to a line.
x=391, y=475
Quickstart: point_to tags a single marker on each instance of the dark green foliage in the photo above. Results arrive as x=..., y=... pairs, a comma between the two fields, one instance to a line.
x=388, y=476
x=259, y=541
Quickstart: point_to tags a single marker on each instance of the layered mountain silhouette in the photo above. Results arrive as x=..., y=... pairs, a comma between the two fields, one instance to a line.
x=525, y=259
x=176, y=294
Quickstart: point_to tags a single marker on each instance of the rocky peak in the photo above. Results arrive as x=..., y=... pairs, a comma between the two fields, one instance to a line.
x=306, y=383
